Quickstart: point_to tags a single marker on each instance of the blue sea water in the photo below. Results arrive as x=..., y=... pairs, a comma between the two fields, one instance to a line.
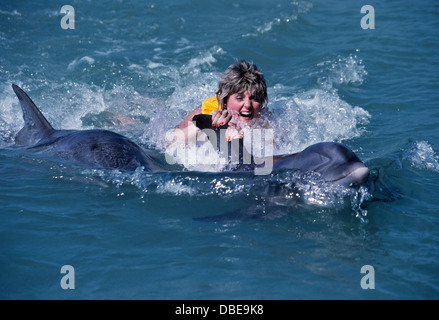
x=190, y=234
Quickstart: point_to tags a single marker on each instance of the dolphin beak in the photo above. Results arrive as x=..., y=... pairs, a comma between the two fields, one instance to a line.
x=355, y=177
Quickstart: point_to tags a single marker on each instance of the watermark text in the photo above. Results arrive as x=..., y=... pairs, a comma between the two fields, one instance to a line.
x=257, y=148
x=68, y=21
x=68, y=281
x=368, y=21
x=368, y=281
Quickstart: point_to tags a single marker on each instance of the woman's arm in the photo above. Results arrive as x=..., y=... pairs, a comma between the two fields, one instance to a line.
x=185, y=131
x=188, y=119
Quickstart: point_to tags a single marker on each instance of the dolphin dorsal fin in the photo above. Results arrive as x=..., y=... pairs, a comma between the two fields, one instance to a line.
x=35, y=124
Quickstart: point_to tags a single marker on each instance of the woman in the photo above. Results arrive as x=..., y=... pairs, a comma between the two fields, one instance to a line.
x=239, y=101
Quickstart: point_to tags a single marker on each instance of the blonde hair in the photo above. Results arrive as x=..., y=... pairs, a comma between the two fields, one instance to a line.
x=240, y=77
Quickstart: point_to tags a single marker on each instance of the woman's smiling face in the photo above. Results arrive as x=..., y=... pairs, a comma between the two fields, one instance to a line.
x=244, y=107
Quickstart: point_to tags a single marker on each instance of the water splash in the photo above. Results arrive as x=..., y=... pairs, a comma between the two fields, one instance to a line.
x=287, y=189
x=11, y=120
x=341, y=71
x=314, y=116
x=421, y=155
x=289, y=16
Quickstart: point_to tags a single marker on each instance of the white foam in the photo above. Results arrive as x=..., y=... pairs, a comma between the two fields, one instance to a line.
x=11, y=119
x=75, y=63
x=69, y=106
x=175, y=188
x=203, y=59
x=9, y=13
x=115, y=48
x=342, y=71
x=421, y=155
x=268, y=26
x=154, y=65
x=315, y=116
x=290, y=15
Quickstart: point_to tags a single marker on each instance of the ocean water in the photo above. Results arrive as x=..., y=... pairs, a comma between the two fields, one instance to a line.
x=191, y=234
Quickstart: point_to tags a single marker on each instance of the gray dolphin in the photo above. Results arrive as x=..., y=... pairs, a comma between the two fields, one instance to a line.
x=335, y=162
x=92, y=148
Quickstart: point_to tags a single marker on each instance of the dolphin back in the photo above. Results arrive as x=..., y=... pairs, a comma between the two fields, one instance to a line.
x=98, y=149
x=35, y=126
x=90, y=148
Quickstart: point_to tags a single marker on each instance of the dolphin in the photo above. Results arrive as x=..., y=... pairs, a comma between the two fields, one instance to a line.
x=89, y=148
x=335, y=162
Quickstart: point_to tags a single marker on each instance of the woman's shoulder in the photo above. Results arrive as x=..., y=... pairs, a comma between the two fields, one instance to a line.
x=209, y=105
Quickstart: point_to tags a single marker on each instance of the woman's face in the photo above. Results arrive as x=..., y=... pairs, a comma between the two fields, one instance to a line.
x=244, y=107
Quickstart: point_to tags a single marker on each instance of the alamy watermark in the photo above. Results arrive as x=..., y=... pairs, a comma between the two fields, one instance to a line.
x=68, y=281
x=368, y=20
x=368, y=280
x=68, y=21
x=257, y=148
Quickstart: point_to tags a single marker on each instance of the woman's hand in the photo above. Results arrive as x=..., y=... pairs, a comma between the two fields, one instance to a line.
x=233, y=132
x=220, y=117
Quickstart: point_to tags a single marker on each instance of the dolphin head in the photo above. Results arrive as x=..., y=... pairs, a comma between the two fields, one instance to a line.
x=354, y=175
